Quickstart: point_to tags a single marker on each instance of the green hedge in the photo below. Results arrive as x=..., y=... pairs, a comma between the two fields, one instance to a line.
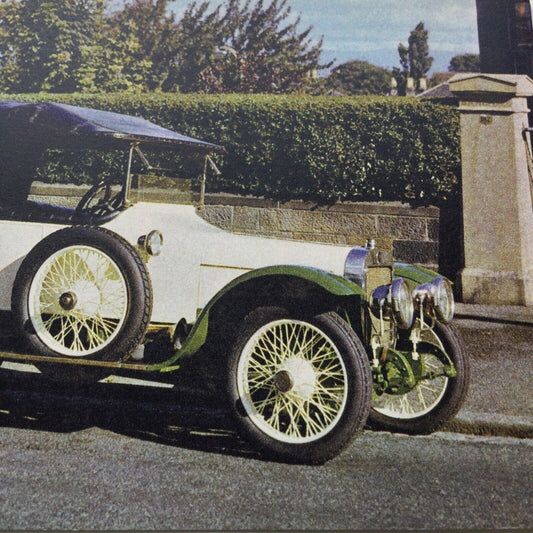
x=321, y=149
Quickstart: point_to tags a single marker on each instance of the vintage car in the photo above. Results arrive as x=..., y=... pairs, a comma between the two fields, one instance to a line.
x=306, y=342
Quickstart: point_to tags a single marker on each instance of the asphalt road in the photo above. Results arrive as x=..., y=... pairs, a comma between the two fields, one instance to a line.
x=97, y=459
x=113, y=456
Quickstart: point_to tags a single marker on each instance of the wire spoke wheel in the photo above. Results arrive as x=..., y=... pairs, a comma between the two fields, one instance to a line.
x=78, y=300
x=422, y=399
x=82, y=292
x=299, y=389
x=292, y=381
x=434, y=400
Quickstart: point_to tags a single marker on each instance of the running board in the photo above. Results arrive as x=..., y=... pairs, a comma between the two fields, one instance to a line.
x=11, y=356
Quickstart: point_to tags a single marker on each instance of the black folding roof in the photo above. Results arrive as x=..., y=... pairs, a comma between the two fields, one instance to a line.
x=53, y=125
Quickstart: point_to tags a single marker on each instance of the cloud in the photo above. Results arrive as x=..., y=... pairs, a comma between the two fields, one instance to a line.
x=372, y=30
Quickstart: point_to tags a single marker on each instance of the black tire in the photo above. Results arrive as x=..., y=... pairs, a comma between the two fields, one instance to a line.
x=304, y=430
x=82, y=292
x=444, y=398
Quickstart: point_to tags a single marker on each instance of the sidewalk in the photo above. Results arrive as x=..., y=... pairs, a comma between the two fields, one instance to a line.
x=501, y=313
x=499, y=340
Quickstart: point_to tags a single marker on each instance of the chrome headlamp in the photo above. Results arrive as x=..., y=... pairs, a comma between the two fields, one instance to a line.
x=394, y=301
x=152, y=242
x=436, y=299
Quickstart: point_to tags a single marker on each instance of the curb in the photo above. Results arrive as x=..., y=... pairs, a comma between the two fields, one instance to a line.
x=491, y=425
x=499, y=313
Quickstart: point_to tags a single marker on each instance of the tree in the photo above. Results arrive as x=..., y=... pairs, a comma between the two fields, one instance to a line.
x=414, y=59
x=359, y=77
x=47, y=45
x=236, y=47
x=76, y=45
x=465, y=63
x=199, y=33
x=146, y=36
x=260, y=50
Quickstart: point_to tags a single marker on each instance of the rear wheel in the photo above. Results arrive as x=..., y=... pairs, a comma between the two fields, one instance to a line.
x=82, y=292
x=299, y=389
x=432, y=402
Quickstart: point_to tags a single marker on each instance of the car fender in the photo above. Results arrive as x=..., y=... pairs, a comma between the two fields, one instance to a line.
x=333, y=284
x=414, y=275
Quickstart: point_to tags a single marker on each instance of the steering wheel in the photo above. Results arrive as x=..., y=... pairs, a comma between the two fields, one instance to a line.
x=99, y=200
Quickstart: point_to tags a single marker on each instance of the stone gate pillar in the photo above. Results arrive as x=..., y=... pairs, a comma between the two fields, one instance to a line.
x=497, y=206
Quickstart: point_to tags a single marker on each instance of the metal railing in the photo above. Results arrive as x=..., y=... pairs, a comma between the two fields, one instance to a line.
x=529, y=160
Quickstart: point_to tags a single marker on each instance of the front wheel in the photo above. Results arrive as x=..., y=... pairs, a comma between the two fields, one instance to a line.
x=299, y=389
x=432, y=402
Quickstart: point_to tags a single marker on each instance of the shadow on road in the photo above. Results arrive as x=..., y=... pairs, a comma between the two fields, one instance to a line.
x=176, y=417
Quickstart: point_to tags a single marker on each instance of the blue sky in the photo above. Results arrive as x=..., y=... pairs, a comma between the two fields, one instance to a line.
x=372, y=29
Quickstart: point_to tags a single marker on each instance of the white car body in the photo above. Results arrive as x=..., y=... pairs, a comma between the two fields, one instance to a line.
x=197, y=258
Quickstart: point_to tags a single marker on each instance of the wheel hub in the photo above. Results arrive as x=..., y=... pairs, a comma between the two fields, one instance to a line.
x=283, y=381
x=87, y=298
x=68, y=301
x=296, y=377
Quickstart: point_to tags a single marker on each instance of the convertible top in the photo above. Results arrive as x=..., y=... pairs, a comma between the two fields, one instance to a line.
x=28, y=130
x=53, y=125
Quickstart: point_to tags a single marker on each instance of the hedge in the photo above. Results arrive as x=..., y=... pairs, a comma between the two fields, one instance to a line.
x=321, y=149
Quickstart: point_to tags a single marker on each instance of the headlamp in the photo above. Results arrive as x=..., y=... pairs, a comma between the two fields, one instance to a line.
x=395, y=302
x=152, y=242
x=436, y=299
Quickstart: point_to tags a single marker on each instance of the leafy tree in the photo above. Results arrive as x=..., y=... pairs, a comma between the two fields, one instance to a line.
x=145, y=36
x=465, y=63
x=414, y=59
x=199, y=33
x=360, y=78
x=76, y=45
x=236, y=47
x=47, y=45
x=262, y=51
x=439, y=78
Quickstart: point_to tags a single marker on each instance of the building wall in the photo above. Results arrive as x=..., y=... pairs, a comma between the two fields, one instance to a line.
x=505, y=36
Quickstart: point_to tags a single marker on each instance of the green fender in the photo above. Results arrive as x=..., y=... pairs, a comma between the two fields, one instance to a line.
x=414, y=275
x=332, y=283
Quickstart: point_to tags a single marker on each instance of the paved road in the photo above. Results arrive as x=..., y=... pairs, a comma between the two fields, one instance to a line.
x=501, y=357
x=69, y=463
x=119, y=457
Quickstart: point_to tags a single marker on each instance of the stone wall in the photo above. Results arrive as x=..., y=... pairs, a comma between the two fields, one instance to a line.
x=413, y=234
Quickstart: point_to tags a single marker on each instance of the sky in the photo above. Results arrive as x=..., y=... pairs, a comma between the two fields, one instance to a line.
x=371, y=30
